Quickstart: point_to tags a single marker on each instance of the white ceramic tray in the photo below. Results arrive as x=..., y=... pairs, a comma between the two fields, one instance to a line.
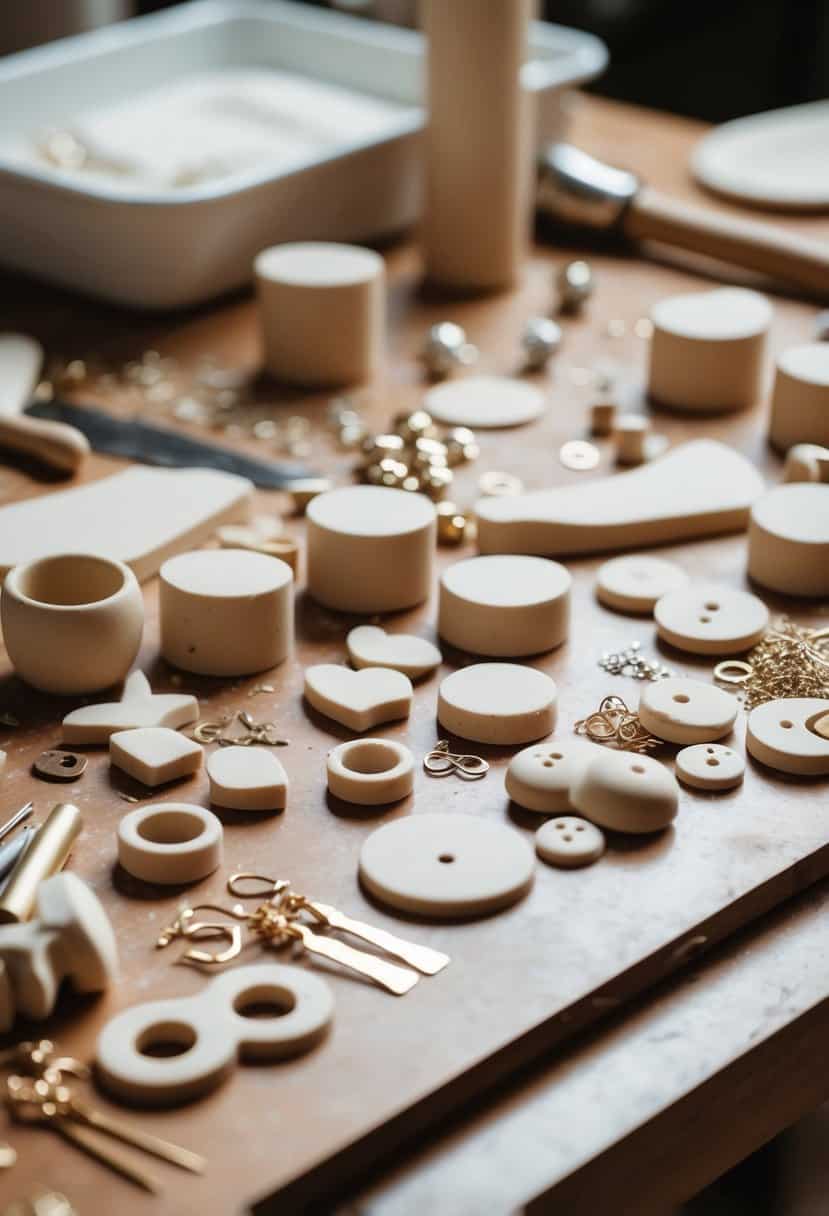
x=177, y=246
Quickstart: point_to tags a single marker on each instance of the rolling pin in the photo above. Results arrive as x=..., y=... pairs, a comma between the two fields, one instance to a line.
x=56, y=444
x=574, y=188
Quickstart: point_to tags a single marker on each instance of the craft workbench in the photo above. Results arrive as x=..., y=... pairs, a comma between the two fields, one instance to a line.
x=581, y=1128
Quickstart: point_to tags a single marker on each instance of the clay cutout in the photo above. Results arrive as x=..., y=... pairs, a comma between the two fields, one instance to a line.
x=569, y=842
x=212, y=1028
x=484, y=402
x=682, y=710
x=55, y=443
x=788, y=540
x=821, y=726
x=634, y=441
x=710, y=766
x=706, y=618
x=247, y=779
x=697, y=489
x=154, y=755
x=782, y=735
x=21, y=360
x=139, y=706
x=626, y=792
x=806, y=462
x=140, y=517
x=800, y=398
x=370, y=772
x=170, y=843
x=446, y=866
x=371, y=646
x=501, y=703
x=358, y=699
x=634, y=583
x=540, y=777
x=506, y=606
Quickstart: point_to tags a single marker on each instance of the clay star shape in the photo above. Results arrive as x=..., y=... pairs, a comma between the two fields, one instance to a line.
x=139, y=706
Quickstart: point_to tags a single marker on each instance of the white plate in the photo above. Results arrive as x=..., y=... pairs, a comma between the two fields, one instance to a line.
x=157, y=246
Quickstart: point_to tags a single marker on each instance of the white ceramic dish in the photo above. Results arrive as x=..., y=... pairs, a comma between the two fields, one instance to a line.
x=176, y=246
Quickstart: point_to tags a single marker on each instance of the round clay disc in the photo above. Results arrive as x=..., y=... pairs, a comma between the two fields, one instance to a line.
x=634, y=583
x=682, y=710
x=783, y=735
x=569, y=842
x=446, y=865
x=501, y=703
x=484, y=401
x=704, y=618
x=540, y=777
x=505, y=605
x=710, y=766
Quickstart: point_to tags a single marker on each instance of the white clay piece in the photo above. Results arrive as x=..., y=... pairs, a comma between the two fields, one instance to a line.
x=568, y=842
x=500, y=703
x=800, y=397
x=791, y=735
x=370, y=772
x=634, y=583
x=358, y=699
x=505, y=606
x=371, y=646
x=540, y=777
x=683, y=710
x=154, y=755
x=788, y=540
x=806, y=462
x=484, y=402
x=706, y=618
x=247, y=779
x=170, y=843
x=139, y=706
x=626, y=792
x=710, y=766
x=634, y=441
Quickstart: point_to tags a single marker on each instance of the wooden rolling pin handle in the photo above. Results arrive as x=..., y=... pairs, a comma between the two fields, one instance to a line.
x=773, y=251
x=60, y=446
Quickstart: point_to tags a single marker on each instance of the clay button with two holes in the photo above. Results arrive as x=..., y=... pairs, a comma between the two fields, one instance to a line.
x=790, y=735
x=704, y=618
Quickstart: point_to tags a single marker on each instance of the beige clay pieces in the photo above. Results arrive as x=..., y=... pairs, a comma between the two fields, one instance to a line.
x=634, y=441
x=696, y=489
x=683, y=710
x=226, y=612
x=568, y=843
x=634, y=583
x=800, y=397
x=484, y=402
x=806, y=462
x=540, y=777
x=358, y=699
x=370, y=549
x=708, y=348
x=500, y=703
x=626, y=792
x=170, y=843
x=707, y=618
x=788, y=540
x=505, y=606
x=247, y=779
x=371, y=646
x=139, y=706
x=790, y=735
x=446, y=866
x=370, y=772
x=154, y=755
x=710, y=766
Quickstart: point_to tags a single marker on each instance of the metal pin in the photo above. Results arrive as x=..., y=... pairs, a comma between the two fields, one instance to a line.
x=11, y=824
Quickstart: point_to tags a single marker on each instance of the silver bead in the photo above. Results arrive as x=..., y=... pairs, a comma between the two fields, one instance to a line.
x=446, y=348
x=540, y=341
x=575, y=284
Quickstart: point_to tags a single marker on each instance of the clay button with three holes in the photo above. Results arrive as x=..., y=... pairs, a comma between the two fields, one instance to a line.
x=539, y=778
x=710, y=766
x=686, y=711
x=704, y=618
x=569, y=842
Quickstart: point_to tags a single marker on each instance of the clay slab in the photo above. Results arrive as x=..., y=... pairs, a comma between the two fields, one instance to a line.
x=139, y=706
x=154, y=754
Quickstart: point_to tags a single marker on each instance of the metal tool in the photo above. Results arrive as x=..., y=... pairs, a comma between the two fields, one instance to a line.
x=576, y=189
x=60, y=446
x=18, y=817
x=13, y=850
x=46, y=855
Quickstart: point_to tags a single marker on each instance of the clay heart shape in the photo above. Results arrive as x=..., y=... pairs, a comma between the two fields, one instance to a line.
x=371, y=646
x=358, y=699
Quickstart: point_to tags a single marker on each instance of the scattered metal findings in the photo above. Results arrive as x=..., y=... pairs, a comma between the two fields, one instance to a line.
x=451, y=524
x=440, y=762
x=494, y=484
x=575, y=283
x=253, y=734
x=18, y=817
x=614, y=725
x=790, y=661
x=579, y=455
x=259, y=689
x=447, y=348
x=630, y=662
x=540, y=340
x=56, y=765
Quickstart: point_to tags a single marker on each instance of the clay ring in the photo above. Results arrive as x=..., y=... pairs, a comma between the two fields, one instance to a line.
x=170, y=842
x=370, y=772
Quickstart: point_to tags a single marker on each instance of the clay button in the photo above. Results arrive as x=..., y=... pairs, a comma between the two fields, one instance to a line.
x=635, y=582
x=686, y=711
x=540, y=777
x=626, y=792
x=484, y=402
x=704, y=618
x=569, y=842
x=783, y=735
x=710, y=766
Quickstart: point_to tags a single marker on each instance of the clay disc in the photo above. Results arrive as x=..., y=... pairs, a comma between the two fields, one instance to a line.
x=484, y=401
x=634, y=583
x=499, y=703
x=505, y=606
x=782, y=735
x=683, y=710
x=446, y=865
x=704, y=618
x=569, y=842
x=710, y=766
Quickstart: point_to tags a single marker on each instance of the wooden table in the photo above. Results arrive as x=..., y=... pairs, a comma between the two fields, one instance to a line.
x=652, y=1087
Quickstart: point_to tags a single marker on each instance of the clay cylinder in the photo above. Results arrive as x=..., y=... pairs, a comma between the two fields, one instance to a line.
x=800, y=397
x=788, y=540
x=479, y=143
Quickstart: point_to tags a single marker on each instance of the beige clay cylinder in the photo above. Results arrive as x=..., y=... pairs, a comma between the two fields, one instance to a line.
x=800, y=397
x=226, y=612
x=322, y=311
x=478, y=142
x=788, y=540
x=370, y=549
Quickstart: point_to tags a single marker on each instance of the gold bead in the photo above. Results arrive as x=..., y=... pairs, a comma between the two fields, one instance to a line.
x=436, y=483
x=461, y=446
x=451, y=524
x=412, y=483
x=428, y=453
x=416, y=425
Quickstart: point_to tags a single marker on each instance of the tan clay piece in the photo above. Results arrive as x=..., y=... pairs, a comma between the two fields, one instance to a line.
x=820, y=726
x=226, y=612
x=707, y=618
x=710, y=766
x=323, y=311
x=247, y=779
x=500, y=703
x=484, y=402
x=800, y=397
x=370, y=549
x=783, y=735
x=806, y=462
x=446, y=866
x=154, y=755
x=141, y=517
x=634, y=583
x=358, y=699
x=139, y=706
x=634, y=440
x=371, y=646
x=540, y=777
x=72, y=623
x=3, y=758
x=505, y=606
x=697, y=489
x=569, y=842
x=708, y=349
x=602, y=417
x=170, y=843
x=626, y=792
x=788, y=540
x=683, y=710
x=370, y=772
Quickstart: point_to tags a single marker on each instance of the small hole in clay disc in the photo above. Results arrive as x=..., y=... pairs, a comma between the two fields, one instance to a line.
x=712, y=607
x=549, y=764
x=68, y=762
x=682, y=698
x=446, y=858
x=704, y=620
x=713, y=763
x=636, y=768
x=580, y=827
x=556, y=756
x=166, y=1039
x=710, y=751
x=786, y=724
x=264, y=1002
x=568, y=838
x=560, y=826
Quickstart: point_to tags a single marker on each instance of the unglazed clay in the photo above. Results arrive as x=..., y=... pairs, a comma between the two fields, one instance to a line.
x=154, y=755
x=226, y=612
x=370, y=549
x=800, y=397
x=170, y=843
x=358, y=699
x=569, y=842
x=139, y=706
x=682, y=710
x=370, y=772
x=540, y=777
x=446, y=865
x=505, y=606
x=626, y=792
x=247, y=779
x=634, y=441
x=635, y=582
x=484, y=402
x=710, y=766
x=371, y=646
x=697, y=489
x=72, y=624
x=806, y=462
x=706, y=618
x=788, y=540
x=783, y=735
x=499, y=703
